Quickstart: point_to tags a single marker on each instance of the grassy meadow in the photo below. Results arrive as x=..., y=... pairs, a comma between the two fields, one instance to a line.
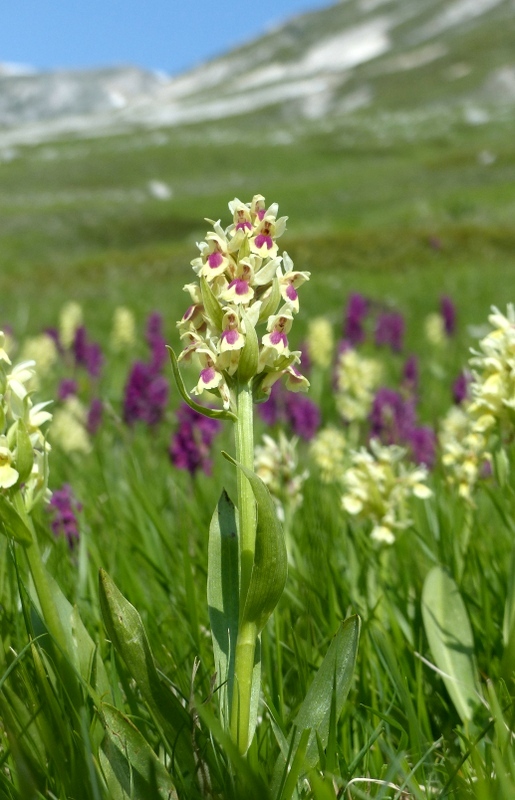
x=402, y=211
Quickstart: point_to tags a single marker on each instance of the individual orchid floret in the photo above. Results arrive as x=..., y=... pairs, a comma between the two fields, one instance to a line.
x=8, y=475
x=378, y=486
x=290, y=282
x=241, y=215
x=263, y=239
x=239, y=291
x=275, y=342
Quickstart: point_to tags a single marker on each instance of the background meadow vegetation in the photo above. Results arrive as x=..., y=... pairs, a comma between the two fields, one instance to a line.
x=401, y=211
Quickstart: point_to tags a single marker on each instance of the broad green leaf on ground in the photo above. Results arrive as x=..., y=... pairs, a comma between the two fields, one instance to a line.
x=331, y=683
x=223, y=589
x=451, y=641
x=128, y=635
x=130, y=765
x=270, y=568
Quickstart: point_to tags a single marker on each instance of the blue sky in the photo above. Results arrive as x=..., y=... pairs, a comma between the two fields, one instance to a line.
x=167, y=35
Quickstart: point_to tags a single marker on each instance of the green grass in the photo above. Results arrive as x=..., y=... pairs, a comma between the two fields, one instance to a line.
x=365, y=208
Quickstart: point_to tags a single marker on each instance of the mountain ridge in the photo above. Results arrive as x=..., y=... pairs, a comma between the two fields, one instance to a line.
x=357, y=54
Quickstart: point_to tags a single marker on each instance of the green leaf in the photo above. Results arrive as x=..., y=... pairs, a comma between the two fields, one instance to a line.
x=248, y=361
x=133, y=765
x=126, y=631
x=223, y=590
x=329, y=688
x=211, y=304
x=270, y=304
x=24, y=452
x=451, y=641
x=212, y=413
x=270, y=568
x=12, y=524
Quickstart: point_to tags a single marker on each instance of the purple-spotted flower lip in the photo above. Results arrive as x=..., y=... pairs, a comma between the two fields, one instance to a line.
x=262, y=239
x=231, y=335
x=215, y=259
x=291, y=292
x=244, y=225
x=207, y=375
x=241, y=287
x=278, y=337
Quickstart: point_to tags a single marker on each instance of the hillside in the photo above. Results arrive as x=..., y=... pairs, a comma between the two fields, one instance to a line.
x=389, y=55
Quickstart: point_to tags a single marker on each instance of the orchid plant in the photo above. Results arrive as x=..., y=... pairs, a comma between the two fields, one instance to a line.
x=242, y=283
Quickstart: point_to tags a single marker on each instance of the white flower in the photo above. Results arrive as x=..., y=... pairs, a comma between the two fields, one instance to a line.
x=493, y=385
x=123, y=334
x=69, y=427
x=356, y=379
x=320, y=341
x=70, y=319
x=8, y=475
x=276, y=464
x=329, y=451
x=378, y=486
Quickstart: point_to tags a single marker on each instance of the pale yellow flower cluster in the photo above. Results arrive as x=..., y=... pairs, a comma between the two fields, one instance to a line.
x=320, y=342
x=43, y=351
x=493, y=385
x=464, y=451
x=23, y=445
x=69, y=427
x=276, y=463
x=123, y=334
x=378, y=486
x=243, y=282
x=329, y=452
x=357, y=378
x=434, y=329
x=70, y=319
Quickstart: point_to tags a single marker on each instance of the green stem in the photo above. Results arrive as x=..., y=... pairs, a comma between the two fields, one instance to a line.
x=244, y=436
x=242, y=692
x=247, y=632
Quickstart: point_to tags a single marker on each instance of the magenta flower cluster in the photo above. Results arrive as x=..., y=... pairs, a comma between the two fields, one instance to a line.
x=64, y=508
x=191, y=443
x=146, y=390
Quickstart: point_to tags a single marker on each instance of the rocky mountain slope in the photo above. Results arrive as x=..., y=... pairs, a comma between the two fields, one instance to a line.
x=391, y=55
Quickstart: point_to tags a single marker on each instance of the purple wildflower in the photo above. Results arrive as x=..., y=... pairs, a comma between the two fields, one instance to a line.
x=460, y=387
x=448, y=312
x=67, y=388
x=390, y=331
x=146, y=395
x=422, y=444
x=410, y=375
x=392, y=417
x=87, y=354
x=94, y=417
x=270, y=411
x=302, y=414
x=355, y=313
x=156, y=341
x=297, y=411
x=64, y=507
x=190, y=445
